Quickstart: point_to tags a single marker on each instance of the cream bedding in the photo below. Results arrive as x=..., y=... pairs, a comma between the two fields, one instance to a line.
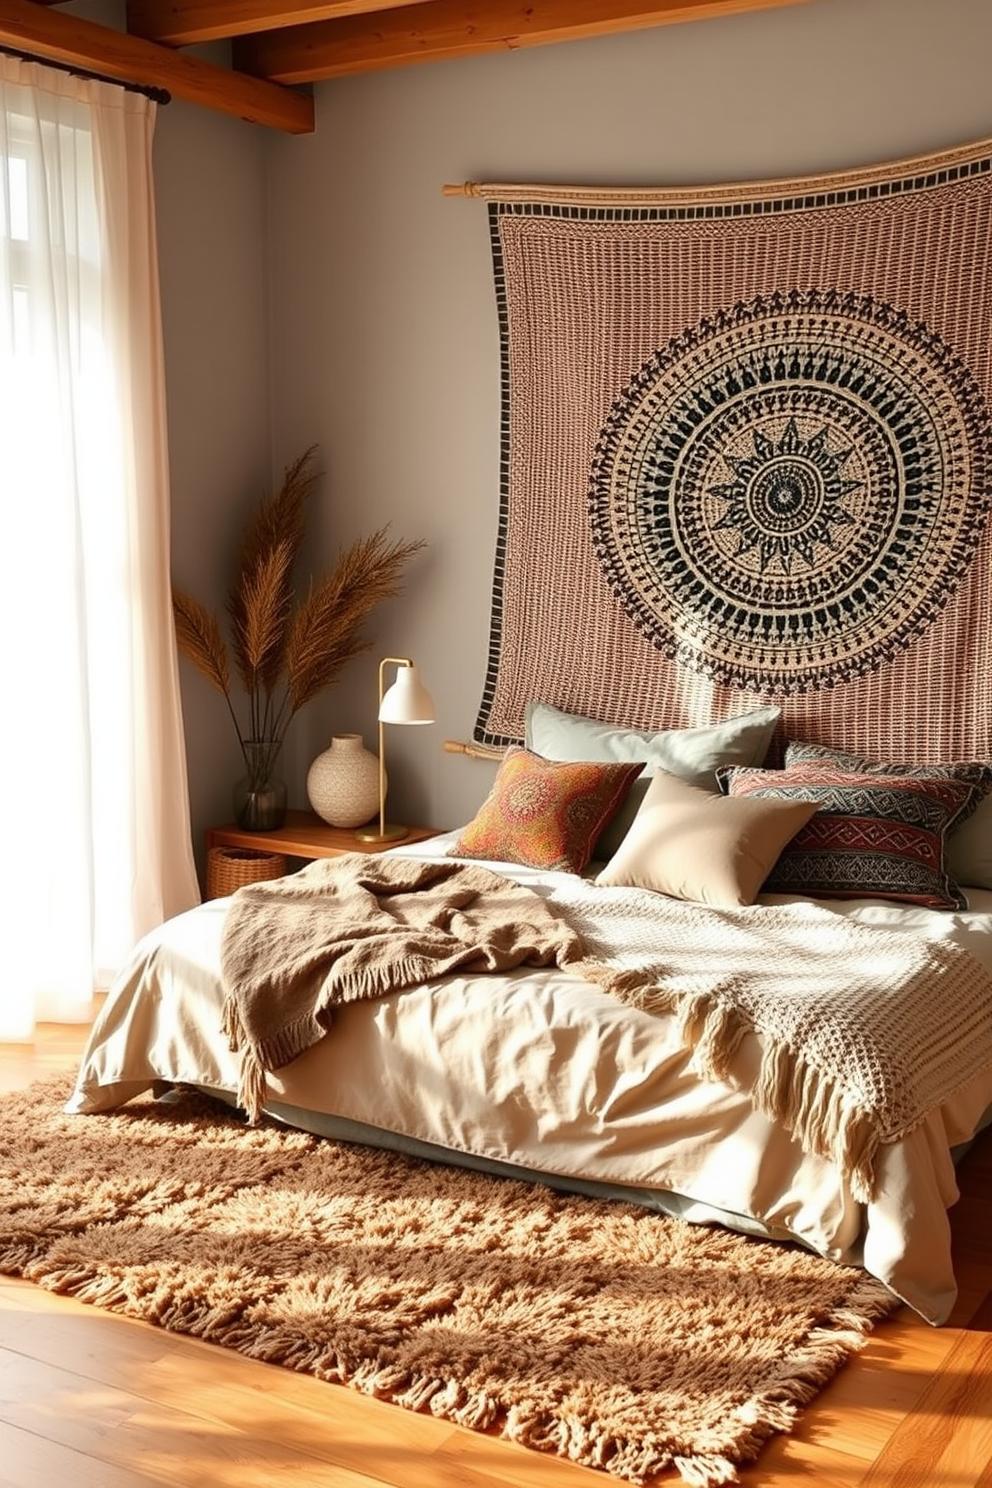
x=541, y=1070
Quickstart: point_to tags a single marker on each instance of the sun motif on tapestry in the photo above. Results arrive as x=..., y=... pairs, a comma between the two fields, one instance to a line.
x=787, y=494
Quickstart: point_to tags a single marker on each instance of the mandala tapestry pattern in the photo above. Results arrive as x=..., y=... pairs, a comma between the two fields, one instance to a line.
x=786, y=496
x=746, y=456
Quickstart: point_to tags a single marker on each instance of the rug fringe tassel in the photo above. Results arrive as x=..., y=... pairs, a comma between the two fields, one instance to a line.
x=773, y=1411
x=632, y=1462
x=705, y=1472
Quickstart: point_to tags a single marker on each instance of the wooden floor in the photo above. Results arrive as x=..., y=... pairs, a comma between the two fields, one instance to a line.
x=88, y=1400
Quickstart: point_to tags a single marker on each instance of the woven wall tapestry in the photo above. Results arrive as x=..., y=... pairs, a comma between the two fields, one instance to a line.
x=747, y=456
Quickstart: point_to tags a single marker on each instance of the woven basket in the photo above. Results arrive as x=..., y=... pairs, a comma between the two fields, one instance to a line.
x=229, y=868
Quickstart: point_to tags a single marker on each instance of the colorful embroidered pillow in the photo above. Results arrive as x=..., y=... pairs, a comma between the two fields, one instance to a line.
x=545, y=813
x=691, y=843
x=969, y=846
x=873, y=836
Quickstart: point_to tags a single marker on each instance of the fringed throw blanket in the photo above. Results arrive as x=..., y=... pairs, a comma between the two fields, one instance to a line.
x=864, y=1031
x=355, y=927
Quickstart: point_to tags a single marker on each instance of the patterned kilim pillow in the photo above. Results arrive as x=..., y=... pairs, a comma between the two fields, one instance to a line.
x=969, y=848
x=545, y=813
x=973, y=772
x=874, y=836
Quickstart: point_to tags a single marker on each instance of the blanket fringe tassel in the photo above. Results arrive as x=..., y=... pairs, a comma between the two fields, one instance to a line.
x=788, y=1089
x=251, y=1077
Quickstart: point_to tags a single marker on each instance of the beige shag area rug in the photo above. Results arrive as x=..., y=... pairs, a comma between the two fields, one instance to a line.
x=596, y=1331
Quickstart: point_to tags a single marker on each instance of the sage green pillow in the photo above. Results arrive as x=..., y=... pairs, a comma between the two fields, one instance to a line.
x=694, y=754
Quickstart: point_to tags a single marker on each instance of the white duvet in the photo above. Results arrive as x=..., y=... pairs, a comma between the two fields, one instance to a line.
x=541, y=1071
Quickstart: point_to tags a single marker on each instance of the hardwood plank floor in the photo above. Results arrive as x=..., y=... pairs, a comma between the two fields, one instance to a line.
x=98, y=1401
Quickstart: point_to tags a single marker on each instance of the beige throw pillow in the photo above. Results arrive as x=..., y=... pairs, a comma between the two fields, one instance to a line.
x=685, y=843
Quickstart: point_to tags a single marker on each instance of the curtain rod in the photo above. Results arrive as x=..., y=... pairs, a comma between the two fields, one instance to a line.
x=157, y=95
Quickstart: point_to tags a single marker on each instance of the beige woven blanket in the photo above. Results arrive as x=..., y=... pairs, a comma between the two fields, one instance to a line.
x=357, y=926
x=864, y=1031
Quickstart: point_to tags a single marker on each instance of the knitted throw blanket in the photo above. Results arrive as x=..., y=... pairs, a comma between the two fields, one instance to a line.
x=358, y=926
x=864, y=1031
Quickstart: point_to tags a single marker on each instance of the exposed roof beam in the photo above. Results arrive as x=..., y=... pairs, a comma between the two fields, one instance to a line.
x=454, y=28
x=182, y=22
x=58, y=37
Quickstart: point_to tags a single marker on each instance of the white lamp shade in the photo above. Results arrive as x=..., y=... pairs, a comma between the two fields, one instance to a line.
x=408, y=700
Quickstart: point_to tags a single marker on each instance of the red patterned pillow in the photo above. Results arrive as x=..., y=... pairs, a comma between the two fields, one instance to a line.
x=969, y=848
x=545, y=813
x=873, y=836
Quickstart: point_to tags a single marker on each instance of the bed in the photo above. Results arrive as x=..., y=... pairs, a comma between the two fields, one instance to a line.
x=571, y=1073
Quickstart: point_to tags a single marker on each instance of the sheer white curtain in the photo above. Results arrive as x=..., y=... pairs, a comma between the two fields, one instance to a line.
x=94, y=814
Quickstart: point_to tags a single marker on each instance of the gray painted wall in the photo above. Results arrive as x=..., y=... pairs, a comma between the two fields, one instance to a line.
x=210, y=208
x=379, y=338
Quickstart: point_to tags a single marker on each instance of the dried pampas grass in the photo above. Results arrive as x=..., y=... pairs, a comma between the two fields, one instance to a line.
x=284, y=650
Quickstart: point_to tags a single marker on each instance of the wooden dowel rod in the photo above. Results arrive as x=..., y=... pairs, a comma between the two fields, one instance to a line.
x=474, y=751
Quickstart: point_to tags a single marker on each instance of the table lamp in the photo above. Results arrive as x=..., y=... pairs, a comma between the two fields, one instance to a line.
x=406, y=701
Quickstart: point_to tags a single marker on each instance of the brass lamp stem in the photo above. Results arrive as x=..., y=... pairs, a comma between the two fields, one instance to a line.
x=384, y=834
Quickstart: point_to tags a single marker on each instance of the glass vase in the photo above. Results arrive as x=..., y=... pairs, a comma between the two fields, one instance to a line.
x=259, y=797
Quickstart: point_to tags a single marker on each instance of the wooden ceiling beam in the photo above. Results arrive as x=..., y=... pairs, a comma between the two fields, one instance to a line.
x=55, y=36
x=183, y=22
x=441, y=29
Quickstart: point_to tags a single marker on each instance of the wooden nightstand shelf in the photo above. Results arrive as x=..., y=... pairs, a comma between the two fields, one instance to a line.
x=304, y=835
x=301, y=838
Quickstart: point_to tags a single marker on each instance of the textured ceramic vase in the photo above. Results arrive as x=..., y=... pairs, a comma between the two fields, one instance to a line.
x=343, y=782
